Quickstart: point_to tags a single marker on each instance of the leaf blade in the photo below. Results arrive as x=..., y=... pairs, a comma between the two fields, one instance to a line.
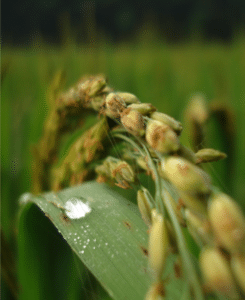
x=109, y=237
x=99, y=238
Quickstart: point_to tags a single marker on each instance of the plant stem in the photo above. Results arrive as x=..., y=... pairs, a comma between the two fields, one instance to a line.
x=130, y=141
x=157, y=179
x=186, y=258
x=188, y=263
x=151, y=166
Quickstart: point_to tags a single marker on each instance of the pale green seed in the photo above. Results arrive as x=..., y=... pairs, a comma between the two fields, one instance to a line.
x=133, y=121
x=145, y=205
x=143, y=108
x=161, y=137
x=209, y=155
x=158, y=245
x=115, y=105
x=128, y=98
x=238, y=268
x=228, y=223
x=166, y=119
x=217, y=274
x=96, y=85
x=186, y=176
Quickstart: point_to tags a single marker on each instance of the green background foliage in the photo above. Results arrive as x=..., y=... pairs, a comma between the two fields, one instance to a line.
x=166, y=76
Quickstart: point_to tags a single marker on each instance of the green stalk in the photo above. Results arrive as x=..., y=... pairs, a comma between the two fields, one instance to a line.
x=186, y=258
x=152, y=166
x=188, y=263
x=157, y=179
x=123, y=137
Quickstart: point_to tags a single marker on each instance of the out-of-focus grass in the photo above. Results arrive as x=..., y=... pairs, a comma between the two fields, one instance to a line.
x=163, y=75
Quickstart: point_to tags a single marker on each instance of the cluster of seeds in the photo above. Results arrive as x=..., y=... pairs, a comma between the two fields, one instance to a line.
x=184, y=195
x=213, y=219
x=116, y=169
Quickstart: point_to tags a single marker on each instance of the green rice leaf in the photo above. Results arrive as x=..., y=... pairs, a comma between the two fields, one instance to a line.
x=107, y=234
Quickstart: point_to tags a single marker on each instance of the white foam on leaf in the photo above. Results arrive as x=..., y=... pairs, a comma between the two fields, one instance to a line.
x=76, y=209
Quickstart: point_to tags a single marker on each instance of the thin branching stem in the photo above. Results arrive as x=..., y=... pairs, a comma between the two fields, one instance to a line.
x=152, y=167
x=130, y=141
x=188, y=263
x=186, y=258
x=157, y=179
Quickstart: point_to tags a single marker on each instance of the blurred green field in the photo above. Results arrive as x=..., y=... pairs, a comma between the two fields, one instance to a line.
x=164, y=75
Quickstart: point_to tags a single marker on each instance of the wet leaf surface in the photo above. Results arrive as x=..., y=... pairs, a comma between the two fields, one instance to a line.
x=107, y=234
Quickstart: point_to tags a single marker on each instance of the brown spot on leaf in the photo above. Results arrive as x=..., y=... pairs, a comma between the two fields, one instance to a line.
x=160, y=289
x=65, y=220
x=127, y=224
x=177, y=270
x=144, y=250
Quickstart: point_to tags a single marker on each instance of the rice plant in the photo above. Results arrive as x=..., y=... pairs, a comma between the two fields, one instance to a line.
x=142, y=253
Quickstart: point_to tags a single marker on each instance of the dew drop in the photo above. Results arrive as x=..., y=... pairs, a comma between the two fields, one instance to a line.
x=75, y=208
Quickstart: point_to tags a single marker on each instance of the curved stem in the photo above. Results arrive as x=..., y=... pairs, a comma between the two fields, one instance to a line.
x=185, y=254
x=123, y=137
x=152, y=166
x=186, y=258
